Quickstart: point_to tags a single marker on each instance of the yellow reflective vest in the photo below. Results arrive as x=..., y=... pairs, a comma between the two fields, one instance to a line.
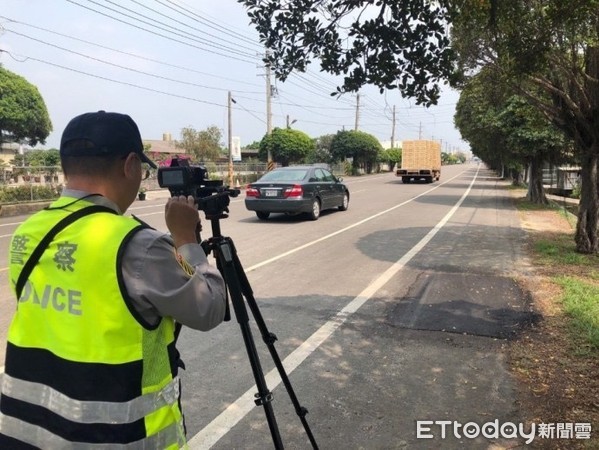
x=83, y=370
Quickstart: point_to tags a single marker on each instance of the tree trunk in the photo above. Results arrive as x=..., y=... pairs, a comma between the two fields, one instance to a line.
x=517, y=177
x=586, y=228
x=536, y=192
x=588, y=143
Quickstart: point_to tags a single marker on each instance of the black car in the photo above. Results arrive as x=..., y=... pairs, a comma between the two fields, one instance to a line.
x=296, y=189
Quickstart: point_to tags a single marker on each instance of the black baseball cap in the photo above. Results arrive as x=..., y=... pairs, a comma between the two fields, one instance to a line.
x=102, y=133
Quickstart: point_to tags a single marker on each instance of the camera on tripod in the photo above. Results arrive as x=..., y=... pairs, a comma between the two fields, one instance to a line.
x=182, y=178
x=212, y=197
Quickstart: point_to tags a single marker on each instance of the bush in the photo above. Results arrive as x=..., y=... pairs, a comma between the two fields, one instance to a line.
x=576, y=191
x=28, y=193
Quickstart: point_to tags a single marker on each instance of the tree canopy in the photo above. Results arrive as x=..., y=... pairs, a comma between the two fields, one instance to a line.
x=506, y=131
x=23, y=113
x=392, y=44
x=362, y=148
x=551, y=48
x=287, y=146
x=203, y=145
x=322, y=150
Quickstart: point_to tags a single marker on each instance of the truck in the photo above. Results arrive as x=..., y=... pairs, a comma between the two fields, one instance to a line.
x=420, y=160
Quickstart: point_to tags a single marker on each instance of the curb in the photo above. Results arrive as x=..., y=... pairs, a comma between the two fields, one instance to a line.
x=22, y=208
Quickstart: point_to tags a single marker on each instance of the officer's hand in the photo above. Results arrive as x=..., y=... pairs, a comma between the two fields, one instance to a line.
x=182, y=218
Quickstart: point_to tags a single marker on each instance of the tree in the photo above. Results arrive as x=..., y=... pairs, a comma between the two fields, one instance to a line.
x=550, y=47
x=204, y=145
x=534, y=140
x=392, y=44
x=322, y=150
x=501, y=124
x=37, y=162
x=253, y=146
x=44, y=161
x=391, y=156
x=286, y=145
x=23, y=113
x=362, y=148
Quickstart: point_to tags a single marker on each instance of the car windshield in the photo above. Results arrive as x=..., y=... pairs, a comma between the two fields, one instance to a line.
x=285, y=175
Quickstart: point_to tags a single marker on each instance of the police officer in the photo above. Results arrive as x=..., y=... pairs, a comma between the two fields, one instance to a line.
x=91, y=359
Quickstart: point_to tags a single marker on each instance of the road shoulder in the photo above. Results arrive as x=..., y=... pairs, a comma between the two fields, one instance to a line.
x=555, y=384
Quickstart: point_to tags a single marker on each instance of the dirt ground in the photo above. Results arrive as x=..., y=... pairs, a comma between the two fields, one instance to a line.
x=557, y=382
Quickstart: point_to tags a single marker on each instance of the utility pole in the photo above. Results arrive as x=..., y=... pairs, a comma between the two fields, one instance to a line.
x=357, y=112
x=420, y=131
x=268, y=112
x=393, y=130
x=230, y=136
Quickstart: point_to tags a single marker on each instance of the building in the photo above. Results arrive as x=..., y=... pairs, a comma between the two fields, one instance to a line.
x=8, y=150
x=162, y=150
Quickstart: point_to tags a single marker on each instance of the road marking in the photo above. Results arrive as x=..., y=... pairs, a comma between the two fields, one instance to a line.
x=343, y=230
x=328, y=236
x=237, y=200
x=10, y=224
x=225, y=421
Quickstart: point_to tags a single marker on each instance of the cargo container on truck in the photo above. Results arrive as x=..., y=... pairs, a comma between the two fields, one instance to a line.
x=420, y=160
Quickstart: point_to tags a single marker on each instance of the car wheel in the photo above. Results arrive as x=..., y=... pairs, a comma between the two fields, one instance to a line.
x=315, y=213
x=405, y=180
x=343, y=206
x=262, y=215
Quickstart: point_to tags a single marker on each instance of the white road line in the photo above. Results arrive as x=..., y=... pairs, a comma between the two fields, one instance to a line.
x=10, y=224
x=343, y=230
x=328, y=236
x=224, y=422
x=237, y=200
x=149, y=214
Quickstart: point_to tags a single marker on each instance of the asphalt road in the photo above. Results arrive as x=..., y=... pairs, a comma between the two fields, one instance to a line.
x=392, y=312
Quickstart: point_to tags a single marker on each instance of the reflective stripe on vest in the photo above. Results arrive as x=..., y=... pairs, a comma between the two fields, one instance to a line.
x=90, y=412
x=167, y=438
x=82, y=368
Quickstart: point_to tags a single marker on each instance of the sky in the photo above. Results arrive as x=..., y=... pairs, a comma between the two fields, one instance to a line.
x=170, y=64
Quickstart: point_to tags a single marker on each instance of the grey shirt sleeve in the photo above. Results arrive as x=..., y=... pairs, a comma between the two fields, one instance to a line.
x=159, y=286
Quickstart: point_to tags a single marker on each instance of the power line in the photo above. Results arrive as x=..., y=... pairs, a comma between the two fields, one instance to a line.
x=154, y=33
x=188, y=83
x=250, y=112
x=170, y=94
x=208, y=23
x=144, y=58
x=180, y=23
x=154, y=23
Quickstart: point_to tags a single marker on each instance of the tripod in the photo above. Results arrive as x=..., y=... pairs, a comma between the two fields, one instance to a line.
x=236, y=280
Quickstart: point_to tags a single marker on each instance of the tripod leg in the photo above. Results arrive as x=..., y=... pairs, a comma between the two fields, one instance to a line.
x=269, y=339
x=224, y=254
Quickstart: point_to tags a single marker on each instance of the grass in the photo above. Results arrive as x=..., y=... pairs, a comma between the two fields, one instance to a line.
x=556, y=362
x=577, y=275
x=525, y=205
x=561, y=250
x=581, y=304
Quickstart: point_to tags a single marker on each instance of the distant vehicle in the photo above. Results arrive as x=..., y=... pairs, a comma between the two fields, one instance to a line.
x=295, y=190
x=420, y=160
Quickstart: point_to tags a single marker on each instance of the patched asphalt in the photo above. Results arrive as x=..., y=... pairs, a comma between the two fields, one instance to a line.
x=472, y=304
